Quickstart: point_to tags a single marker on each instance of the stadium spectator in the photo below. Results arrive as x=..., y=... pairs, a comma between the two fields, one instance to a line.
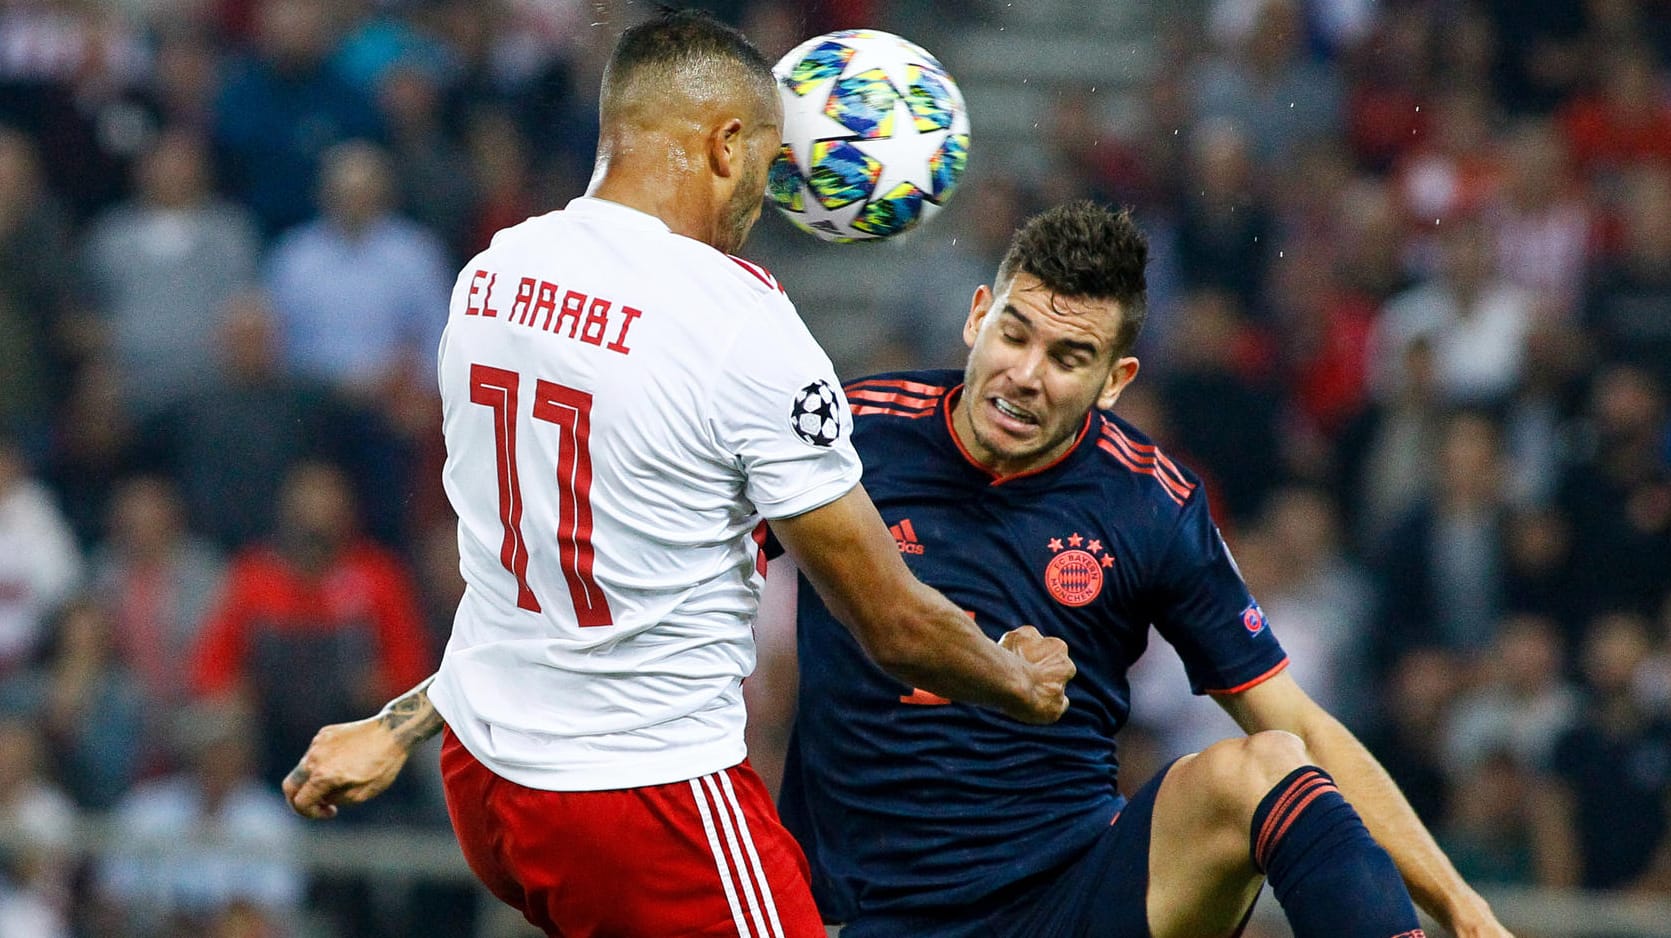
x=39, y=563
x=1490, y=833
x=186, y=75
x=1628, y=306
x=1417, y=695
x=281, y=106
x=1455, y=169
x=1266, y=84
x=160, y=268
x=317, y=599
x=61, y=61
x=1323, y=600
x=1225, y=229
x=359, y=255
x=193, y=844
x=229, y=478
x=1476, y=321
x=504, y=177
x=35, y=874
x=1538, y=578
x=1384, y=455
x=1373, y=260
x=1387, y=78
x=1540, y=51
x=97, y=446
x=435, y=174
x=1540, y=223
x=1603, y=806
x=1521, y=706
x=395, y=276
x=1325, y=330
x=1223, y=405
x=1617, y=495
x=93, y=709
x=1623, y=122
x=157, y=579
x=1441, y=567
x=34, y=291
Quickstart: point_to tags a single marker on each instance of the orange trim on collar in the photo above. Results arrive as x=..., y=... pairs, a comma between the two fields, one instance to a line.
x=950, y=401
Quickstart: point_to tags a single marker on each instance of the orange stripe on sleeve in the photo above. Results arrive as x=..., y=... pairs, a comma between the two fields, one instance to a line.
x=1172, y=489
x=891, y=384
x=1148, y=455
x=862, y=410
x=1273, y=672
x=879, y=397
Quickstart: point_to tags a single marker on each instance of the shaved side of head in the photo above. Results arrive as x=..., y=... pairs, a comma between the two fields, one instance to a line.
x=683, y=64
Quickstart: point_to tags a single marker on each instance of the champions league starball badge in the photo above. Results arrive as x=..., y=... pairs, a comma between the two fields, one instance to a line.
x=815, y=416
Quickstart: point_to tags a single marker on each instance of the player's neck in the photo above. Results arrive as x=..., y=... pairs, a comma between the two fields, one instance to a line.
x=667, y=196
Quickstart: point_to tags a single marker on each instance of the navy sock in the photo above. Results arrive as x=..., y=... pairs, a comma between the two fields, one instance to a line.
x=1332, y=878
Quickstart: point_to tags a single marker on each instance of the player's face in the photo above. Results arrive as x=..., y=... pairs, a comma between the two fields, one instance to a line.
x=759, y=148
x=1038, y=362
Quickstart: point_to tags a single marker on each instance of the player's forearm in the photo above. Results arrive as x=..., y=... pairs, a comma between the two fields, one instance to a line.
x=933, y=645
x=1433, y=881
x=411, y=718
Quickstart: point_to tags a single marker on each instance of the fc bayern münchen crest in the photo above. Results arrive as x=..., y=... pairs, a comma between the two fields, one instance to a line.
x=816, y=416
x=1074, y=575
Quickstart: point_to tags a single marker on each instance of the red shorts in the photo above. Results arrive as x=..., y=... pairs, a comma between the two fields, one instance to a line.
x=704, y=857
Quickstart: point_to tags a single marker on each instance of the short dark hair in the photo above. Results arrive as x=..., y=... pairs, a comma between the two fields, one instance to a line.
x=673, y=39
x=1083, y=250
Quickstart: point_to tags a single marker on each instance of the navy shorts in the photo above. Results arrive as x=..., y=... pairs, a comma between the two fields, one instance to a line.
x=1102, y=893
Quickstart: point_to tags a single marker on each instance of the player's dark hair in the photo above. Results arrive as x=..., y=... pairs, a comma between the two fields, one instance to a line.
x=1082, y=250
x=676, y=40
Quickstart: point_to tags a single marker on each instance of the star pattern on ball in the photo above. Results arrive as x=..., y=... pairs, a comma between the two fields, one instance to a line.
x=876, y=136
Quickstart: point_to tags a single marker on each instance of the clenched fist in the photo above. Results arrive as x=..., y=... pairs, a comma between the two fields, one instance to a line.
x=1049, y=667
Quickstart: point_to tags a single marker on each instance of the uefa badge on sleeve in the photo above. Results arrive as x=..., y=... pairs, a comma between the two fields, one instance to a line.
x=816, y=416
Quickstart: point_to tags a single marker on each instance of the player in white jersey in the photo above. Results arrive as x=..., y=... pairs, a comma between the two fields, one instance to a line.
x=623, y=403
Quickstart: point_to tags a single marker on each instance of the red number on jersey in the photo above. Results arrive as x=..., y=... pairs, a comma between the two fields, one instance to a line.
x=571, y=411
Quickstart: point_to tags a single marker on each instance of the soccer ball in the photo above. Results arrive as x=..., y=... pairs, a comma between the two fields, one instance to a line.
x=814, y=417
x=875, y=136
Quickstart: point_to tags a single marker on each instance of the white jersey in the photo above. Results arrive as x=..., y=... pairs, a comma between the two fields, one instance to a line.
x=622, y=406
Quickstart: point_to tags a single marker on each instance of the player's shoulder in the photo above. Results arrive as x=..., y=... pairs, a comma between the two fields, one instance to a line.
x=755, y=277
x=898, y=395
x=522, y=235
x=1138, y=461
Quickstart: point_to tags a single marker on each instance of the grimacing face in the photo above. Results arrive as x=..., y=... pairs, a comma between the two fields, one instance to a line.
x=1038, y=363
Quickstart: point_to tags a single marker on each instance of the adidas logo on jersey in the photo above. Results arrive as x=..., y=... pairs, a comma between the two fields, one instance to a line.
x=906, y=537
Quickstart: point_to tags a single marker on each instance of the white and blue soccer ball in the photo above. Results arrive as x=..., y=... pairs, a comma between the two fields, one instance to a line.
x=875, y=136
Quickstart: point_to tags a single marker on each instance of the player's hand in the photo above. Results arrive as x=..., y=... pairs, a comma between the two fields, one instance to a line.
x=348, y=763
x=1050, y=668
x=1473, y=918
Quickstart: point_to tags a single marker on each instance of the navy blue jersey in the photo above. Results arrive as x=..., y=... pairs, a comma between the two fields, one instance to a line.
x=908, y=804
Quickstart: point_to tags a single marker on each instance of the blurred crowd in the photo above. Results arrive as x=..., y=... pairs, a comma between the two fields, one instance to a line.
x=1411, y=322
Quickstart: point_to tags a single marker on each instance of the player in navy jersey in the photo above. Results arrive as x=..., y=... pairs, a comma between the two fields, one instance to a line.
x=1014, y=490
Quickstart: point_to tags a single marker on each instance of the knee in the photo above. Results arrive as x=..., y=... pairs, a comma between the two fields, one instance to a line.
x=1239, y=772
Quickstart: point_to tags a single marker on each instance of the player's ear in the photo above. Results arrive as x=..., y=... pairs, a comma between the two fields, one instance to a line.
x=979, y=306
x=725, y=147
x=1125, y=369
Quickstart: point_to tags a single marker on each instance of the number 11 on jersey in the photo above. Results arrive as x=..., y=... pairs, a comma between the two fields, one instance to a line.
x=570, y=410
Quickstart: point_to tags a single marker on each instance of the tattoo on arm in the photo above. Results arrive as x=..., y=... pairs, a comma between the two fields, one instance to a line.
x=411, y=717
